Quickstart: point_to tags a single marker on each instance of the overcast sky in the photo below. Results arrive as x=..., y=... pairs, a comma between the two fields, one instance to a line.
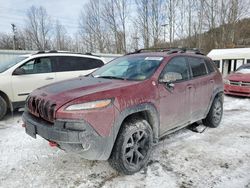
x=66, y=11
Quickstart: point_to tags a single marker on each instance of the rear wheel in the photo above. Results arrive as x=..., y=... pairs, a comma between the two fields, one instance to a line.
x=3, y=107
x=215, y=113
x=133, y=147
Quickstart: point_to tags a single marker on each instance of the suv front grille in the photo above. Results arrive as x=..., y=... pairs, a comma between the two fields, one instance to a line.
x=41, y=108
x=239, y=83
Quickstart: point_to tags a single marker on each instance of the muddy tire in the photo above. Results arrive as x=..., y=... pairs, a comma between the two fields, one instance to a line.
x=3, y=108
x=132, y=147
x=215, y=113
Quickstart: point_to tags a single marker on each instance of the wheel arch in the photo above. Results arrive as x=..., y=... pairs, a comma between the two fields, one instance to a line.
x=145, y=110
x=217, y=92
x=6, y=98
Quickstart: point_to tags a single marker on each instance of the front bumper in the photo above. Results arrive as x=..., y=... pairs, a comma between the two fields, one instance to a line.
x=78, y=136
x=237, y=90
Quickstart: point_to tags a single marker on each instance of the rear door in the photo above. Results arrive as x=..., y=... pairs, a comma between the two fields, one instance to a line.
x=72, y=66
x=175, y=102
x=37, y=72
x=203, y=86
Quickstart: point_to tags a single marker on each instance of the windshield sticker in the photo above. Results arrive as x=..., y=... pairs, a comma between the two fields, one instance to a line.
x=154, y=58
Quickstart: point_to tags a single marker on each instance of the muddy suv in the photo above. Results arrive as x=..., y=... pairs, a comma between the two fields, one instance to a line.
x=119, y=111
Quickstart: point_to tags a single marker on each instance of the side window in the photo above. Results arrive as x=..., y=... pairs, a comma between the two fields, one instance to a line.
x=197, y=66
x=177, y=65
x=28, y=67
x=37, y=66
x=210, y=67
x=91, y=63
x=67, y=63
x=217, y=63
x=64, y=64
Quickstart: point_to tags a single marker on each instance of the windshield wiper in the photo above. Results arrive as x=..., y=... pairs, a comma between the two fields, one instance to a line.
x=111, y=77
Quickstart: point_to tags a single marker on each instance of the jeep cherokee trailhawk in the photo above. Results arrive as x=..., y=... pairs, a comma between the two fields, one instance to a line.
x=119, y=111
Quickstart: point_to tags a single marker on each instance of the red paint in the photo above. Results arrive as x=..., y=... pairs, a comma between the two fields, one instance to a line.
x=189, y=100
x=53, y=144
x=238, y=90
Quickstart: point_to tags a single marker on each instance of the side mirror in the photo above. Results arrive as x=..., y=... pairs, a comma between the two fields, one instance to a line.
x=19, y=71
x=170, y=77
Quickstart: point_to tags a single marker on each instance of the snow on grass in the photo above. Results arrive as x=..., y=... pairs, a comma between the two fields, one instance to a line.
x=216, y=158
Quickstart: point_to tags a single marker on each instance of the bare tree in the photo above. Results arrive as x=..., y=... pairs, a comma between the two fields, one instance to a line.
x=157, y=17
x=6, y=41
x=114, y=14
x=171, y=16
x=91, y=29
x=61, y=39
x=39, y=27
x=142, y=21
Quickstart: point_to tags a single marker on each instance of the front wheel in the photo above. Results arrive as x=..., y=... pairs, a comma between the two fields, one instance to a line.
x=215, y=113
x=3, y=107
x=133, y=147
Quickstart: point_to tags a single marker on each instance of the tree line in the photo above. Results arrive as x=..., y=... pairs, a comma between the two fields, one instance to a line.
x=120, y=26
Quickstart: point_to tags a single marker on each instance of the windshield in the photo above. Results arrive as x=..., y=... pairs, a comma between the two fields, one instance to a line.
x=244, y=69
x=129, y=68
x=4, y=65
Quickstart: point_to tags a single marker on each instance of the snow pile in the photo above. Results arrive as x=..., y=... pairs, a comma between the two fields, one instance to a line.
x=217, y=158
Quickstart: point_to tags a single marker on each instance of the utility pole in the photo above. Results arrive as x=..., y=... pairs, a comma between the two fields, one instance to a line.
x=164, y=25
x=13, y=26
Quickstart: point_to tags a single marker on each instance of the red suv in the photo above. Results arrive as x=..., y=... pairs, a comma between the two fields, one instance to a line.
x=119, y=111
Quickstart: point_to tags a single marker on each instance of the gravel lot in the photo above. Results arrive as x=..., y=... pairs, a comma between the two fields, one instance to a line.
x=216, y=158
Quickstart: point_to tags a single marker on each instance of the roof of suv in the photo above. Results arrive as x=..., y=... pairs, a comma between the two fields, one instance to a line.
x=62, y=53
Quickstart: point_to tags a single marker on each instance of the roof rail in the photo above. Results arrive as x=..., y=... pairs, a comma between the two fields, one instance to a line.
x=168, y=50
x=40, y=52
x=68, y=52
x=53, y=51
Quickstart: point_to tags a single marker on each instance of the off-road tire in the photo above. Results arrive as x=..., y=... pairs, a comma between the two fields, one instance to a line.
x=3, y=108
x=215, y=113
x=132, y=147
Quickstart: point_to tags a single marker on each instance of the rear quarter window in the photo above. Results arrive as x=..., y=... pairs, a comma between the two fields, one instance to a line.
x=68, y=63
x=197, y=66
x=210, y=67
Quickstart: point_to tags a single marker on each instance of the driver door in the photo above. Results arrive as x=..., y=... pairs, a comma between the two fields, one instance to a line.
x=175, y=95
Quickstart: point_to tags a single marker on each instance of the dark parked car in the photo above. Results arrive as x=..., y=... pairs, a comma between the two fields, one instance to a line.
x=120, y=110
x=238, y=82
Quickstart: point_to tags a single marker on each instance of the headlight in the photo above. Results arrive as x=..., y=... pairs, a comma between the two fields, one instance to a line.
x=89, y=105
x=226, y=81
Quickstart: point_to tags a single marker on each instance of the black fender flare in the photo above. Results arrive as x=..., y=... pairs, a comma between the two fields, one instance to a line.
x=215, y=93
x=154, y=122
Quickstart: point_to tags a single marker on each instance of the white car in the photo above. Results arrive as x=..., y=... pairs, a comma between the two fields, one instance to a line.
x=25, y=73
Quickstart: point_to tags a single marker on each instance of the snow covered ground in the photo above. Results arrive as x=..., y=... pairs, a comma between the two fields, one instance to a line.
x=216, y=158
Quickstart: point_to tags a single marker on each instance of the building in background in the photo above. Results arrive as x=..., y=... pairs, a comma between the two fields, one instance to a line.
x=228, y=60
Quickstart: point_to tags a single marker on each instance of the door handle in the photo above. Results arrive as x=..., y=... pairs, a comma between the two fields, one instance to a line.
x=49, y=78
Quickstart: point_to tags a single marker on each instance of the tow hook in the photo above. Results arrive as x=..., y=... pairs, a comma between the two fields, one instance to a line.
x=53, y=144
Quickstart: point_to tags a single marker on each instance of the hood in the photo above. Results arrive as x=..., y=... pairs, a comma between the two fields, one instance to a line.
x=243, y=77
x=63, y=92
